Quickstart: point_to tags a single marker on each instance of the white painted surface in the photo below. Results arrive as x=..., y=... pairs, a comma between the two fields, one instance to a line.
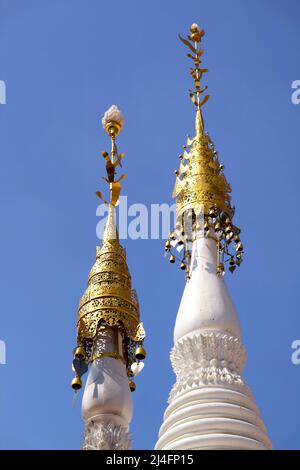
x=106, y=402
x=206, y=303
x=107, y=392
x=210, y=405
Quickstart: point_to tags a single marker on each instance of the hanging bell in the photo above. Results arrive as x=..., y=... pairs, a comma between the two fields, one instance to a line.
x=232, y=262
x=237, y=238
x=172, y=236
x=183, y=266
x=232, y=268
x=228, y=228
x=130, y=373
x=212, y=213
x=132, y=385
x=218, y=229
x=168, y=245
x=79, y=353
x=239, y=247
x=76, y=383
x=229, y=236
x=140, y=353
x=239, y=258
x=172, y=259
x=206, y=229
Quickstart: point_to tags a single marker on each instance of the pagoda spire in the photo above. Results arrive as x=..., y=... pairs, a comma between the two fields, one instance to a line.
x=202, y=193
x=109, y=332
x=210, y=405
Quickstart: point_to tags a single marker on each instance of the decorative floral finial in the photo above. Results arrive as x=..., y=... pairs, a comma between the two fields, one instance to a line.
x=112, y=122
x=113, y=118
x=196, y=33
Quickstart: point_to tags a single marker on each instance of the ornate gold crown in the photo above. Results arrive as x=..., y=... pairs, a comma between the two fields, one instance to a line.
x=200, y=182
x=109, y=296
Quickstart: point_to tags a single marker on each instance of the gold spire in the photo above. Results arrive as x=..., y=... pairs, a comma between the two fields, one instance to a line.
x=109, y=298
x=201, y=190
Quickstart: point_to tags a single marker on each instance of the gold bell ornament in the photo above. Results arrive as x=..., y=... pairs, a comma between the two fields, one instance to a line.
x=140, y=353
x=76, y=383
x=79, y=353
x=132, y=385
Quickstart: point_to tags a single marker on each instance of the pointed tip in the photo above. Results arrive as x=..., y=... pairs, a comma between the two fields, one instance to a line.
x=199, y=123
x=111, y=231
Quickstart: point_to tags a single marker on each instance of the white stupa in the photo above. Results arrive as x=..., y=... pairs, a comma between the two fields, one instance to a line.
x=210, y=405
x=110, y=334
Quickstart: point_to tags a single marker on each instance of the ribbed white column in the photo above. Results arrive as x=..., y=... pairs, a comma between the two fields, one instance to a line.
x=106, y=402
x=210, y=405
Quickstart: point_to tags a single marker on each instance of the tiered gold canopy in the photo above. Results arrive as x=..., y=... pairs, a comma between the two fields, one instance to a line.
x=200, y=183
x=109, y=296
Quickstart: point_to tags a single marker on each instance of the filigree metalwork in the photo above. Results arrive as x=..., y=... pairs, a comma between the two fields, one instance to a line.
x=109, y=296
x=201, y=188
x=109, y=300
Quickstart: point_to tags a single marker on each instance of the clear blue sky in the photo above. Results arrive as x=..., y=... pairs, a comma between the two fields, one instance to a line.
x=64, y=63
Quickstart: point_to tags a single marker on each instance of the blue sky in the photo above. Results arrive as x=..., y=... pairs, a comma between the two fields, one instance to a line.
x=64, y=63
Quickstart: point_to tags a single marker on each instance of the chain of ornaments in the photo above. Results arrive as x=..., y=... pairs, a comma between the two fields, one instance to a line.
x=133, y=352
x=216, y=224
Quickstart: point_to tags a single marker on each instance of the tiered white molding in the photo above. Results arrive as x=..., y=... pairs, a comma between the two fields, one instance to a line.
x=102, y=436
x=210, y=405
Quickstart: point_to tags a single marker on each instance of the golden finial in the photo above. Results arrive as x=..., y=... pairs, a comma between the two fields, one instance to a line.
x=109, y=300
x=202, y=193
x=193, y=42
x=112, y=122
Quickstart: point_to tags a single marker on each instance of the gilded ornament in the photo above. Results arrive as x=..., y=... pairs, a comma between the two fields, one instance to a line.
x=201, y=189
x=109, y=298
